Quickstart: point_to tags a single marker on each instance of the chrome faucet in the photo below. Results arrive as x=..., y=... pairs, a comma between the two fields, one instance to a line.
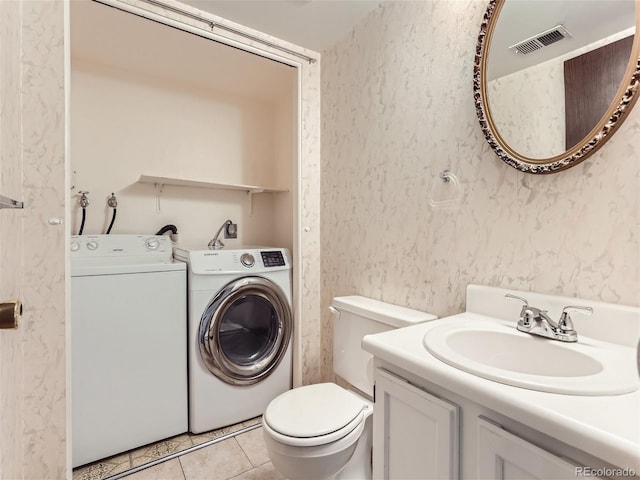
x=216, y=243
x=537, y=322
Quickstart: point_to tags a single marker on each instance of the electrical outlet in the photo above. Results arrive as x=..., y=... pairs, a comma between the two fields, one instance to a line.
x=231, y=230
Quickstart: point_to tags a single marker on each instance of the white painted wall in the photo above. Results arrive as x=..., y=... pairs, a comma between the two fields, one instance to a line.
x=286, y=173
x=125, y=123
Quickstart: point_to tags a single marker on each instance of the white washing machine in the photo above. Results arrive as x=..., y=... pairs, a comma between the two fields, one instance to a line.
x=240, y=330
x=128, y=344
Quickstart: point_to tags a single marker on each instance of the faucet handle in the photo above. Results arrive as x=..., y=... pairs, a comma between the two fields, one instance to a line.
x=523, y=300
x=526, y=313
x=565, y=324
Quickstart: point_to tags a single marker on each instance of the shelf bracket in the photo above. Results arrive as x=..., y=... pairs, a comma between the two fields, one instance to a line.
x=251, y=193
x=159, y=187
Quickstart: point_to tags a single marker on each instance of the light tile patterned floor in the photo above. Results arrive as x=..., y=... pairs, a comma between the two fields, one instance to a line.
x=243, y=457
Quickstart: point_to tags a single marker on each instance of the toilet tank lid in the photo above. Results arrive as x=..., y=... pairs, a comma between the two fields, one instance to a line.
x=393, y=315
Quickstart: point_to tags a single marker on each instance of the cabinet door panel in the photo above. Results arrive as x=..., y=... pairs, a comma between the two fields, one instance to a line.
x=415, y=434
x=503, y=456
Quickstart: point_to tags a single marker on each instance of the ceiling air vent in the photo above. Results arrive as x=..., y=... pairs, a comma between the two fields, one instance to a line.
x=542, y=39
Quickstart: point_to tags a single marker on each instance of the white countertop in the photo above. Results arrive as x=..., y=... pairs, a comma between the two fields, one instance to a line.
x=607, y=427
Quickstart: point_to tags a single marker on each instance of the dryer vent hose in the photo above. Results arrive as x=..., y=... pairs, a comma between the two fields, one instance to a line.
x=172, y=229
x=167, y=228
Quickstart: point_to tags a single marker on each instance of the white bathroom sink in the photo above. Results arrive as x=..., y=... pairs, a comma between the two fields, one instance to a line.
x=497, y=351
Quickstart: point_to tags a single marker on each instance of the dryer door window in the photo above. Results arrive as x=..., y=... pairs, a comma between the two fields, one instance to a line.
x=249, y=330
x=245, y=331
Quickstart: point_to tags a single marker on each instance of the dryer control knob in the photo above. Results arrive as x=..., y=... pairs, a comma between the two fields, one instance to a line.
x=152, y=243
x=92, y=245
x=247, y=260
x=75, y=246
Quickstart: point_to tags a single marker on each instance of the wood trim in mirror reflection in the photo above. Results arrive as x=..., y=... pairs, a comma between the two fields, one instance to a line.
x=622, y=104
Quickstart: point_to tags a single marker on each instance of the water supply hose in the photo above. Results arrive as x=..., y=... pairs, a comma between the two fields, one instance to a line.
x=113, y=203
x=113, y=219
x=84, y=217
x=84, y=203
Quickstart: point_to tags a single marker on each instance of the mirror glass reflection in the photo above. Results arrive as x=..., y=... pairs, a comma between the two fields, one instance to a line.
x=554, y=68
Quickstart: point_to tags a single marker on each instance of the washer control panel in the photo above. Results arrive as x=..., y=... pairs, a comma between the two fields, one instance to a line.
x=151, y=247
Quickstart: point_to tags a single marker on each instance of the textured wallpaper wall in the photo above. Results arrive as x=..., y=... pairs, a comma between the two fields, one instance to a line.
x=32, y=357
x=11, y=252
x=397, y=110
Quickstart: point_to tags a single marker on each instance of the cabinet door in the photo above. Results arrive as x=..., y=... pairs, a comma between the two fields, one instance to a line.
x=503, y=456
x=415, y=435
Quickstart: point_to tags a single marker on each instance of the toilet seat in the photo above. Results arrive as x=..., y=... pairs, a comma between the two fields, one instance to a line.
x=314, y=415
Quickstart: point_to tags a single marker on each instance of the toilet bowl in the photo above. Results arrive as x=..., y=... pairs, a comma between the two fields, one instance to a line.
x=315, y=432
x=324, y=431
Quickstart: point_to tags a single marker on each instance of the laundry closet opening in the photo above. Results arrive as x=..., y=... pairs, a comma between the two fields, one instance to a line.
x=150, y=100
x=183, y=130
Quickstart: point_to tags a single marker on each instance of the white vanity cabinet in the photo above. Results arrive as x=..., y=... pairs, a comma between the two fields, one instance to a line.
x=415, y=433
x=421, y=431
x=504, y=456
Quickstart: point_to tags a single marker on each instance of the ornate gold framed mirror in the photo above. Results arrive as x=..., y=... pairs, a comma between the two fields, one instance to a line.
x=553, y=81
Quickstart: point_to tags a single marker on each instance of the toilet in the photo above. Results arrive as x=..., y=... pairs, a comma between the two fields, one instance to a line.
x=324, y=431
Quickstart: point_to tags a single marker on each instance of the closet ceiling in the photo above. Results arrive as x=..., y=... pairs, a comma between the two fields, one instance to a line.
x=313, y=24
x=114, y=40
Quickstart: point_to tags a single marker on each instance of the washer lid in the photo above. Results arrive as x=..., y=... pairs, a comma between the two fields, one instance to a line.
x=313, y=410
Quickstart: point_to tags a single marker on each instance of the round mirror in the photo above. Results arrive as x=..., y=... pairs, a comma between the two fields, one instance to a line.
x=554, y=80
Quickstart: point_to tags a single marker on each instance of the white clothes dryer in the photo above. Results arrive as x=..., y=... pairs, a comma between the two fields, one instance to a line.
x=239, y=333
x=128, y=344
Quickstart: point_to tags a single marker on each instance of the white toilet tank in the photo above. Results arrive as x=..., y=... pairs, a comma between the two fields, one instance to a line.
x=353, y=318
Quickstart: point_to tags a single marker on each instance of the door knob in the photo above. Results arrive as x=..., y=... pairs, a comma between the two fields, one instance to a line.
x=10, y=313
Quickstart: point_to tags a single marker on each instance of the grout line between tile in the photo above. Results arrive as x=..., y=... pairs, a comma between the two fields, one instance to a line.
x=245, y=456
x=184, y=452
x=244, y=453
x=248, y=460
x=184, y=475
